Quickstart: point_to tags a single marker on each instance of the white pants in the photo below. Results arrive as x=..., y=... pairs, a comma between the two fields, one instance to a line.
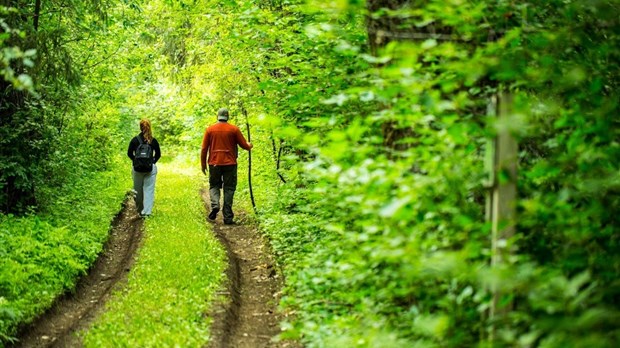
x=144, y=186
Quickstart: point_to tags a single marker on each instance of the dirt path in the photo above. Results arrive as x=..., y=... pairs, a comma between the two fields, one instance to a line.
x=247, y=315
x=74, y=312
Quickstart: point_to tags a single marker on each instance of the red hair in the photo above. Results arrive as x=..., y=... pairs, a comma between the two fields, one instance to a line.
x=145, y=128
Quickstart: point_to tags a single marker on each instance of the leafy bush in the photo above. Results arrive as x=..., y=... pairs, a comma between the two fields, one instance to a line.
x=392, y=185
x=43, y=255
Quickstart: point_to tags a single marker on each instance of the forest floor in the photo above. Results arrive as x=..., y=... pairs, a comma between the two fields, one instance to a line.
x=244, y=316
x=73, y=312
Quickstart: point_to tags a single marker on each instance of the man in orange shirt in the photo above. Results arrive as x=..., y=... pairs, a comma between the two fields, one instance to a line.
x=220, y=141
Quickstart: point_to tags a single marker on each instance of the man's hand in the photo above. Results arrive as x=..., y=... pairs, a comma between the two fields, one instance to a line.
x=251, y=146
x=204, y=171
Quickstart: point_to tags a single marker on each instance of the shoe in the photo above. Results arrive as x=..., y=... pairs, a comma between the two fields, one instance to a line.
x=229, y=222
x=213, y=214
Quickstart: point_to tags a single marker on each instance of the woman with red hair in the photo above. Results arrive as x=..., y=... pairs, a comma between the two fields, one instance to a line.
x=144, y=153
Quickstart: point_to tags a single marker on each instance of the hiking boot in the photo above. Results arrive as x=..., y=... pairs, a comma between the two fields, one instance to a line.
x=213, y=214
x=229, y=222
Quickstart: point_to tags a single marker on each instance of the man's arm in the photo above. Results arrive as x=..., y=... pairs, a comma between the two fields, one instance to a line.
x=203, y=152
x=241, y=141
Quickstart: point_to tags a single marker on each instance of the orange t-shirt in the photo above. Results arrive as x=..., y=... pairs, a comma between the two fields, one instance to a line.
x=220, y=141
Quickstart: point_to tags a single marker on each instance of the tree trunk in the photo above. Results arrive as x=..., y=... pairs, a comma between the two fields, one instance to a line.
x=37, y=12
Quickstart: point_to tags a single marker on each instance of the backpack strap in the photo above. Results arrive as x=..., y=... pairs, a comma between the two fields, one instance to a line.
x=139, y=140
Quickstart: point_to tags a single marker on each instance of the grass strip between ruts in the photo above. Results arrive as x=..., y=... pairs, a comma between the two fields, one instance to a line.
x=177, y=271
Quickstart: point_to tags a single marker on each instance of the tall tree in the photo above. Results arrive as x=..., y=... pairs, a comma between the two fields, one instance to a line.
x=29, y=128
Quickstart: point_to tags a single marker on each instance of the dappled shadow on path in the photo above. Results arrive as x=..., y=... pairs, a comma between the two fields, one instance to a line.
x=73, y=312
x=246, y=314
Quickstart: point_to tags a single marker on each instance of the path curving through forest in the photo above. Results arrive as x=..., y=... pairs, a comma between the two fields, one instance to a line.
x=73, y=312
x=246, y=315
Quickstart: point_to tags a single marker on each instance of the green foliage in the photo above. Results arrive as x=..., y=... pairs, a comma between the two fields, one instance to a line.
x=43, y=255
x=14, y=55
x=382, y=224
x=370, y=128
x=59, y=157
x=171, y=284
x=40, y=54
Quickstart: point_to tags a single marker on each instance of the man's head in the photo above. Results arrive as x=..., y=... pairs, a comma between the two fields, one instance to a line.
x=222, y=114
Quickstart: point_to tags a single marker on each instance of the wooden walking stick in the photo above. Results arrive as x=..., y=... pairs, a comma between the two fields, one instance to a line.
x=247, y=125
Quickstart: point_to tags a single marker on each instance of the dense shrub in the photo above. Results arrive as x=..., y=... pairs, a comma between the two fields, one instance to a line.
x=43, y=255
x=394, y=187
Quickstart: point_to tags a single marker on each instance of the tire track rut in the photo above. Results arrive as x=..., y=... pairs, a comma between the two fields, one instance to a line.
x=73, y=312
x=246, y=315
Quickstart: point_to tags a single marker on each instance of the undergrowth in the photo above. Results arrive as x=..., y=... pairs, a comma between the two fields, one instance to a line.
x=42, y=256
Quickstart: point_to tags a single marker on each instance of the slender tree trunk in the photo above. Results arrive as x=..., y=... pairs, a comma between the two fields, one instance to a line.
x=37, y=12
x=503, y=199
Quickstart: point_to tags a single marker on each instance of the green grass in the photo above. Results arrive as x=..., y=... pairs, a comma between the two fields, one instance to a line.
x=177, y=271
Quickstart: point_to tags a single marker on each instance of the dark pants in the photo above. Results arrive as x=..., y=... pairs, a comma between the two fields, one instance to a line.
x=225, y=176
